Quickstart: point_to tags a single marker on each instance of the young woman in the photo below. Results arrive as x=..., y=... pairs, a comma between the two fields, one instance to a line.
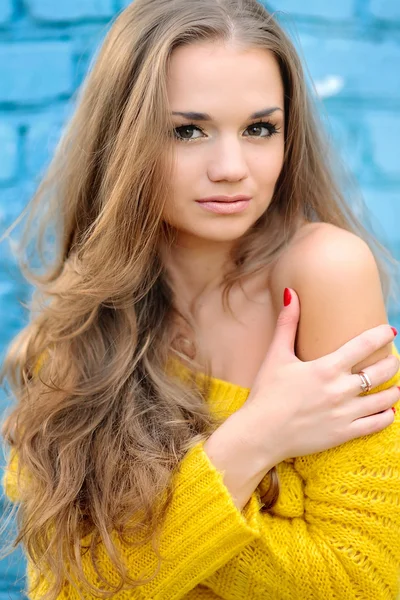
x=180, y=431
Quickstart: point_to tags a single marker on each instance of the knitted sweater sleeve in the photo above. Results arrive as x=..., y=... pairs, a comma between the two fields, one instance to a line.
x=335, y=531
x=202, y=532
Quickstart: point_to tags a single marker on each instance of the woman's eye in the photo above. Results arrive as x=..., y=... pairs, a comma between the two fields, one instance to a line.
x=183, y=132
x=257, y=127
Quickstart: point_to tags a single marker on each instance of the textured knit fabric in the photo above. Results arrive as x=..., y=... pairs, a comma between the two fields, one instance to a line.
x=334, y=533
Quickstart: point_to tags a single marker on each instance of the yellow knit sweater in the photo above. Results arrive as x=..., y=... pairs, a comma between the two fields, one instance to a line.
x=334, y=533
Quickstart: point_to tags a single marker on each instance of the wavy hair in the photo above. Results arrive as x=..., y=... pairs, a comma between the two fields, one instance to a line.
x=103, y=312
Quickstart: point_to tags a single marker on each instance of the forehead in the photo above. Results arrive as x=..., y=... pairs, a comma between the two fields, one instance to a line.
x=207, y=75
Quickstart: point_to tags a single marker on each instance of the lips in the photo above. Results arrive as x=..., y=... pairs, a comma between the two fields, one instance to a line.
x=225, y=207
x=225, y=199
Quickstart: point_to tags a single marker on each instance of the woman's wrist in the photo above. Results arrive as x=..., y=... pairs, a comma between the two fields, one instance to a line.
x=241, y=462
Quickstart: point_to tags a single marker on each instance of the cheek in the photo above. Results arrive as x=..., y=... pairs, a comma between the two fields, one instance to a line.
x=184, y=176
x=186, y=170
x=267, y=169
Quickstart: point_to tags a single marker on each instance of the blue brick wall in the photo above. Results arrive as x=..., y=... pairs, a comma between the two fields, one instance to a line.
x=351, y=47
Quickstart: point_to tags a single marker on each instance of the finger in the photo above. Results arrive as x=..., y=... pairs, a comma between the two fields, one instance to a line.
x=360, y=347
x=375, y=403
x=379, y=373
x=286, y=325
x=372, y=424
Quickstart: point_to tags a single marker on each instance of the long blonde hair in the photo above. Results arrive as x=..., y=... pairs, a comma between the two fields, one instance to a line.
x=103, y=308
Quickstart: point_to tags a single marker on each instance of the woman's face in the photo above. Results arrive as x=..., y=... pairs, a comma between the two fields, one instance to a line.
x=227, y=150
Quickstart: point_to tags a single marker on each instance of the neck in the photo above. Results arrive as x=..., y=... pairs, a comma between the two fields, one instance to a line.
x=196, y=268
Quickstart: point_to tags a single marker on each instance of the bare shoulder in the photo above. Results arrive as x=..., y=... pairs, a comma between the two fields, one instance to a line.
x=317, y=248
x=336, y=277
x=324, y=246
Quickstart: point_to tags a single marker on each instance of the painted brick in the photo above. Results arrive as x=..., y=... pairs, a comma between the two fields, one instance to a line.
x=384, y=132
x=13, y=198
x=367, y=69
x=41, y=71
x=343, y=132
x=49, y=10
x=6, y=10
x=45, y=71
x=385, y=9
x=385, y=208
x=41, y=141
x=8, y=152
x=337, y=9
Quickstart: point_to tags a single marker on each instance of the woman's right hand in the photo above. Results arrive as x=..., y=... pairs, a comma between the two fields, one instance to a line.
x=297, y=408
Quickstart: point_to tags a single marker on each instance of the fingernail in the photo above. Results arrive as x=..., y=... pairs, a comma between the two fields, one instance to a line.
x=393, y=409
x=394, y=331
x=287, y=297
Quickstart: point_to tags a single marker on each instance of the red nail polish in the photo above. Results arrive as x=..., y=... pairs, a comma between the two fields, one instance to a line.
x=393, y=409
x=394, y=331
x=287, y=297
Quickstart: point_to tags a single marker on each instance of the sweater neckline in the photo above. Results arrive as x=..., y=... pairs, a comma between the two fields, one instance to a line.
x=180, y=368
x=224, y=397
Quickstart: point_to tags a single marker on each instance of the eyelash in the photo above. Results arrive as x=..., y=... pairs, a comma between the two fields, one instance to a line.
x=273, y=130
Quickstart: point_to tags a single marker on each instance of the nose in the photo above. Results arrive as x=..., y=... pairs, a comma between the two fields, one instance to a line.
x=227, y=162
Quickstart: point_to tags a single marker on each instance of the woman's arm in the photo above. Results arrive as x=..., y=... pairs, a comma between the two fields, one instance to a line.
x=335, y=530
x=202, y=532
x=333, y=533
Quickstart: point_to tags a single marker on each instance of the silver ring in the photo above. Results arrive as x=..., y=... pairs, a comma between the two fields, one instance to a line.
x=366, y=384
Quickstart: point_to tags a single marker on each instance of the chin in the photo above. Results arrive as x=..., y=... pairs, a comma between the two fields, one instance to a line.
x=221, y=232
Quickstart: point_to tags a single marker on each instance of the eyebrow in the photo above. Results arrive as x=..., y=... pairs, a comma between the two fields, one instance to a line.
x=196, y=116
